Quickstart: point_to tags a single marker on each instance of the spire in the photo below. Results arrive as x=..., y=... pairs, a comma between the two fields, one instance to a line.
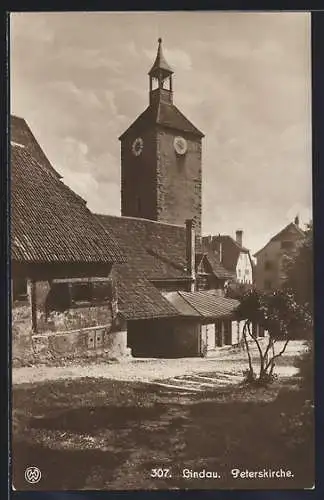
x=160, y=76
x=160, y=66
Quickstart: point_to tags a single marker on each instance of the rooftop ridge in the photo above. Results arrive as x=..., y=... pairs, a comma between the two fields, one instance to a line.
x=129, y=217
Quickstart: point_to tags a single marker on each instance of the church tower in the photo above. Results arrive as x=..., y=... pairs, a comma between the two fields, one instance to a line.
x=161, y=157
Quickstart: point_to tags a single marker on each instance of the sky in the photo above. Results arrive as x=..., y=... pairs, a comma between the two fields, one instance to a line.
x=80, y=79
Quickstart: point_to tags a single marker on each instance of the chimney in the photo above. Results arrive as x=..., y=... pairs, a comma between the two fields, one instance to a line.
x=239, y=237
x=220, y=251
x=296, y=220
x=191, y=252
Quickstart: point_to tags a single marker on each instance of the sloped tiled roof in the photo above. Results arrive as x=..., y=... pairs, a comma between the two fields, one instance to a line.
x=181, y=305
x=207, y=304
x=138, y=298
x=164, y=114
x=20, y=133
x=157, y=250
x=49, y=222
x=218, y=269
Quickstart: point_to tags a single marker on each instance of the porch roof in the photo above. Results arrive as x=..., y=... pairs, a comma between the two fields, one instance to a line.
x=204, y=304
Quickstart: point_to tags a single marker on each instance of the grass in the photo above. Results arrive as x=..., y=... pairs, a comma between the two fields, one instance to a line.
x=104, y=434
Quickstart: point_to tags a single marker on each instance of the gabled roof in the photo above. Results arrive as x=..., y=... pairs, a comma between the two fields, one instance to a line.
x=166, y=115
x=231, y=250
x=205, y=304
x=49, y=222
x=289, y=232
x=20, y=133
x=156, y=250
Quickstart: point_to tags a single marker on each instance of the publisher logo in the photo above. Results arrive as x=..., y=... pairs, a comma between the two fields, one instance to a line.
x=33, y=475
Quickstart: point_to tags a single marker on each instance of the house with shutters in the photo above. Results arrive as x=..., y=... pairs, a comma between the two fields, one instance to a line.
x=269, y=269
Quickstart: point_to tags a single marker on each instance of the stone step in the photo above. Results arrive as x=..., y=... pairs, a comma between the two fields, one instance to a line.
x=179, y=387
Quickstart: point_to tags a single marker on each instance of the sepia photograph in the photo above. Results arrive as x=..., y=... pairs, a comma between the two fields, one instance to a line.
x=161, y=251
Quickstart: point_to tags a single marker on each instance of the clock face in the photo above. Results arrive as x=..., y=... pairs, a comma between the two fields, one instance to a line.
x=180, y=145
x=137, y=146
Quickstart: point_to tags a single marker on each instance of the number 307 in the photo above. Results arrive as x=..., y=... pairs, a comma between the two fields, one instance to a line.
x=160, y=473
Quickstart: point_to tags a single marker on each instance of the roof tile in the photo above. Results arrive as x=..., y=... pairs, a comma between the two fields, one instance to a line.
x=49, y=221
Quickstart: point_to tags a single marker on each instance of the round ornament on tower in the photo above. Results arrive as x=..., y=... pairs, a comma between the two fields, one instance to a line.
x=137, y=146
x=180, y=145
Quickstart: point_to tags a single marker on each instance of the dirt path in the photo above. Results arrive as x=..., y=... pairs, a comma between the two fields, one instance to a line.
x=227, y=360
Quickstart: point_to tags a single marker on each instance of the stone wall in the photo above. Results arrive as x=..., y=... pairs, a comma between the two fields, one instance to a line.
x=179, y=180
x=21, y=331
x=138, y=176
x=158, y=184
x=81, y=343
x=76, y=332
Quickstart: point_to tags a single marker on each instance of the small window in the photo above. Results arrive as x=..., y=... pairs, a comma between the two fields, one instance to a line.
x=268, y=265
x=101, y=291
x=77, y=293
x=19, y=289
x=287, y=245
x=81, y=293
x=58, y=298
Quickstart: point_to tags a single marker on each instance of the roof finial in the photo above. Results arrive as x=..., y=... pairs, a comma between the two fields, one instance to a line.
x=296, y=221
x=160, y=40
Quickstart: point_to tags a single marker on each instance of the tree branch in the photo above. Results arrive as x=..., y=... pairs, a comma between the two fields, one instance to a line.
x=247, y=346
x=277, y=355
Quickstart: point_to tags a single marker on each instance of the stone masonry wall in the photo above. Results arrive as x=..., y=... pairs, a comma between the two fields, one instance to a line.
x=179, y=180
x=74, y=333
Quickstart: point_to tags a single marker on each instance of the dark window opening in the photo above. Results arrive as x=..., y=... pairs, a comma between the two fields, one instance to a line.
x=287, y=245
x=68, y=294
x=268, y=265
x=102, y=291
x=19, y=289
x=80, y=293
x=261, y=331
x=58, y=298
x=218, y=333
x=227, y=332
